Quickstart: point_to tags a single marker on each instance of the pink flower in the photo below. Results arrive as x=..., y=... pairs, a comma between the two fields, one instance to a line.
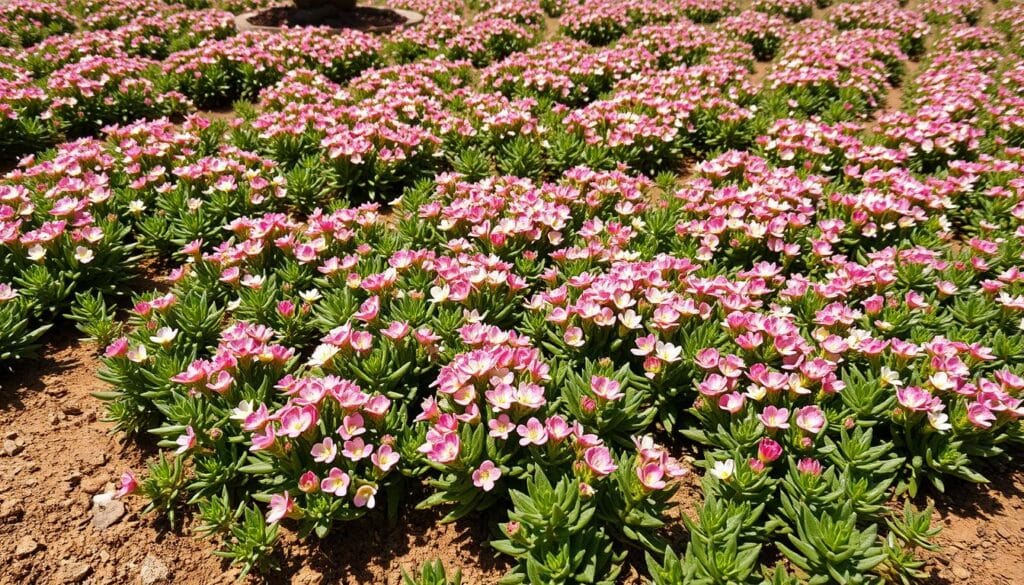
x=446, y=450
x=195, y=372
x=501, y=426
x=768, y=450
x=644, y=345
x=186, y=441
x=324, y=451
x=281, y=506
x=256, y=419
x=811, y=419
x=573, y=337
x=118, y=348
x=809, y=466
x=356, y=449
x=557, y=428
x=980, y=415
x=714, y=385
x=651, y=475
x=599, y=461
x=485, y=475
x=385, y=458
x=364, y=497
x=351, y=426
x=368, y=310
x=262, y=440
x=732, y=402
x=396, y=331
x=336, y=482
x=127, y=485
x=221, y=382
x=286, y=309
x=917, y=399
x=532, y=433
x=605, y=388
x=377, y=406
x=774, y=418
x=297, y=420
x=309, y=483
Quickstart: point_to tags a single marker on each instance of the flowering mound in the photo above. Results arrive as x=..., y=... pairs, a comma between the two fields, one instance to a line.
x=538, y=272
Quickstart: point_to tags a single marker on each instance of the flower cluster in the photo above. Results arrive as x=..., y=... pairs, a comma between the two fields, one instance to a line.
x=520, y=267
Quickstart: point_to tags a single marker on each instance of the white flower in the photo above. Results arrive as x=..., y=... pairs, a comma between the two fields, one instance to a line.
x=724, y=470
x=136, y=206
x=888, y=377
x=439, y=294
x=242, y=411
x=36, y=253
x=84, y=255
x=322, y=355
x=138, y=354
x=667, y=352
x=311, y=295
x=756, y=392
x=164, y=336
x=939, y=421
x=941, y=381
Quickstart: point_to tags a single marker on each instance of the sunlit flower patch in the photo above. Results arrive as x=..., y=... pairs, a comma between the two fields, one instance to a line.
x=538, y=265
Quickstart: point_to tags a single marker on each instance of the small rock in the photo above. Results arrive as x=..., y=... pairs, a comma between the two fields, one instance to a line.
x=71, y=409
x=11, y=435
x=154, y=571
x=75, y=572
x=92, y=485
x=1006, y=532
x=960, y=572
x=26, y=546
x=96, y=459
x=12, y=448
x=11, y=510
x=106, y=511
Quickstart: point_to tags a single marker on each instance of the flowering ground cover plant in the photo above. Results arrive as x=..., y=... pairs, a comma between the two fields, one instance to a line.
x=541, y=271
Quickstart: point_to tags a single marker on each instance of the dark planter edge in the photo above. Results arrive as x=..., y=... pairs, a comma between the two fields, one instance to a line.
x=242, y=23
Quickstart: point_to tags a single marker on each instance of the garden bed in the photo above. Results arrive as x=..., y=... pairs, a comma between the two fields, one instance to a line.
x=614, y=292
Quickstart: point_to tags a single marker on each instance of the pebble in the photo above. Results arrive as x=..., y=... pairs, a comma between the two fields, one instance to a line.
x=25, y=547
x=960, y=572
x=71, y=409
x=75, y=572
x=11, y=510
x=96, y=459
x=12, y=448
x=106, y=511
x=92, y=485
x=154, y=571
